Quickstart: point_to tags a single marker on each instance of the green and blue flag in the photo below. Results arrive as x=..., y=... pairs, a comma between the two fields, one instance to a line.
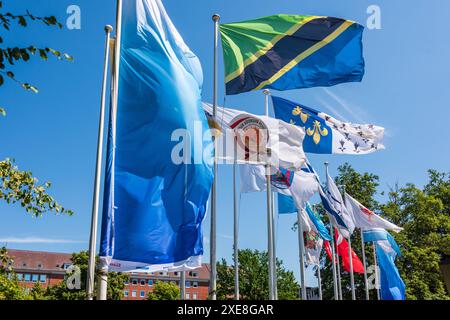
x=285, y=52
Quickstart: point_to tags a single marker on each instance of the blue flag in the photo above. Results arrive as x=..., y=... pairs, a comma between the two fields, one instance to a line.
x=318, y=223
x=154, y=204
x=392, y=285
x=286, y=205
x=327, y=135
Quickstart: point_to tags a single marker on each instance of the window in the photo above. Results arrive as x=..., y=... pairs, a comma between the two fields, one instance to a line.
x=39, y=266
x=19, y=277
x=126, y=293
x=193, y=274
x=24, y=265
x=27, y=277
x=35, y=278
x=134, y=282
x=133, y=294
x=143, y=282
x=142, y=294
x=43, y=278
x=188, y=296
x=175, y=273
x=126, y=282
x=66, y=266
x=194, y=296
x=188, y=284
x=195, y=284
x=150, y=283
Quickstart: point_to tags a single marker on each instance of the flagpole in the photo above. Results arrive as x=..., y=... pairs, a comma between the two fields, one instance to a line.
x=363, y=246
x=338, y=262
x=213, y=232
x=103, y=288
x=98, y=172
x=183, y=285
x=270, y=213
x=377, y=276
x=333, y=249
x=236, y=226
x=301, y=249
x=319, y=278
x=350, y=256
x=275, y=278
x=270, y=234
x=352, y=276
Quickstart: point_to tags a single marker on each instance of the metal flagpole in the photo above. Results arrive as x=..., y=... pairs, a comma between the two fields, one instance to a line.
x=319, y=278
x=270, y=228
x=350, y=256
x=352, y=276
x=272, y=246
x=363, y=246
x=338, y=263
x=236, y=226
x=333, y=249
x=377, y=276
x=213, y=235
x=183, y=285
x=102, y=294
x=301, y=247
x=98, y=172
x=275, y=278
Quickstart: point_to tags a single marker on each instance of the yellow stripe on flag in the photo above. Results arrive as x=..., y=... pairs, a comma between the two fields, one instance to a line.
x=306, y=54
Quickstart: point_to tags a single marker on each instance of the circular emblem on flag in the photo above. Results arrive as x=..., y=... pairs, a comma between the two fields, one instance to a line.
x=251, y=135
x=282, y=179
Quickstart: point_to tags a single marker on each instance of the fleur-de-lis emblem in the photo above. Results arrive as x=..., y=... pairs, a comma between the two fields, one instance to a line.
x=299, y=112
x=317, y=132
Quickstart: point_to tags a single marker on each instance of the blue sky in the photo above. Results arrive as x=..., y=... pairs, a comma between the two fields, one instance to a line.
x=53, y=134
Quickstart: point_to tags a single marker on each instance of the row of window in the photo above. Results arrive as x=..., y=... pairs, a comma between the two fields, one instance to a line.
x=150, y=283
x=191, y=274
x=27, y=277
x=142, y=294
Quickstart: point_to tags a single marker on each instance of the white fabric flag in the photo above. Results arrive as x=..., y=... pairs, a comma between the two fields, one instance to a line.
x=300, y=185
x=254, y=135
x=366, y=219
x=313, y=247
x=336, y=201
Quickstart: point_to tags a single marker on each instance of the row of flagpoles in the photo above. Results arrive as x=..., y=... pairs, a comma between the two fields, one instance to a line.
x=281, y=171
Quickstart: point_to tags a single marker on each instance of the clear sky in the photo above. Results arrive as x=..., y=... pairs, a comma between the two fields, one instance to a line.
x=53, y=133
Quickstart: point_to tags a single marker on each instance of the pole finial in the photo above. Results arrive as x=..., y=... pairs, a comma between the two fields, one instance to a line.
x=266, y=92
x=216, y=17
x=327, y=164
x=108, y=28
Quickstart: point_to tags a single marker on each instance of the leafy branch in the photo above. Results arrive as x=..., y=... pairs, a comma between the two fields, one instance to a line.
x=21, y=187
x=10, y=55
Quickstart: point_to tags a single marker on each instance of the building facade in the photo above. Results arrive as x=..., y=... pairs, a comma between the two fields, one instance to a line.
x=49, y=269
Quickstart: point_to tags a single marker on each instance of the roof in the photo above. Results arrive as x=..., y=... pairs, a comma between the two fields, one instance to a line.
x=39, y=260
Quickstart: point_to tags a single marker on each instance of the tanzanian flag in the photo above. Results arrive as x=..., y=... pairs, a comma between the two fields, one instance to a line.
x=284, y=52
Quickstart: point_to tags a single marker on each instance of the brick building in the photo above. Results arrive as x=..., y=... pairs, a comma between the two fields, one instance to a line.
x=48, y=269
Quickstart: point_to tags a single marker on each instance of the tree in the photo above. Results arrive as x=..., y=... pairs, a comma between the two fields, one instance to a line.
x=254, y=279
x=425, y=217
x=164, y=291
x=21, y=187
x=10, y=55
x=116, y=283
x=15, y=185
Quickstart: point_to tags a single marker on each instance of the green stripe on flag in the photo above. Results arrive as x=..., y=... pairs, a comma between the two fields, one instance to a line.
x=244, y=42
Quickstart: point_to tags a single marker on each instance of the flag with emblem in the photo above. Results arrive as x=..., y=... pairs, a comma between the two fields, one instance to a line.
x=366, y=219
x=327, y=135
x=284, y=52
